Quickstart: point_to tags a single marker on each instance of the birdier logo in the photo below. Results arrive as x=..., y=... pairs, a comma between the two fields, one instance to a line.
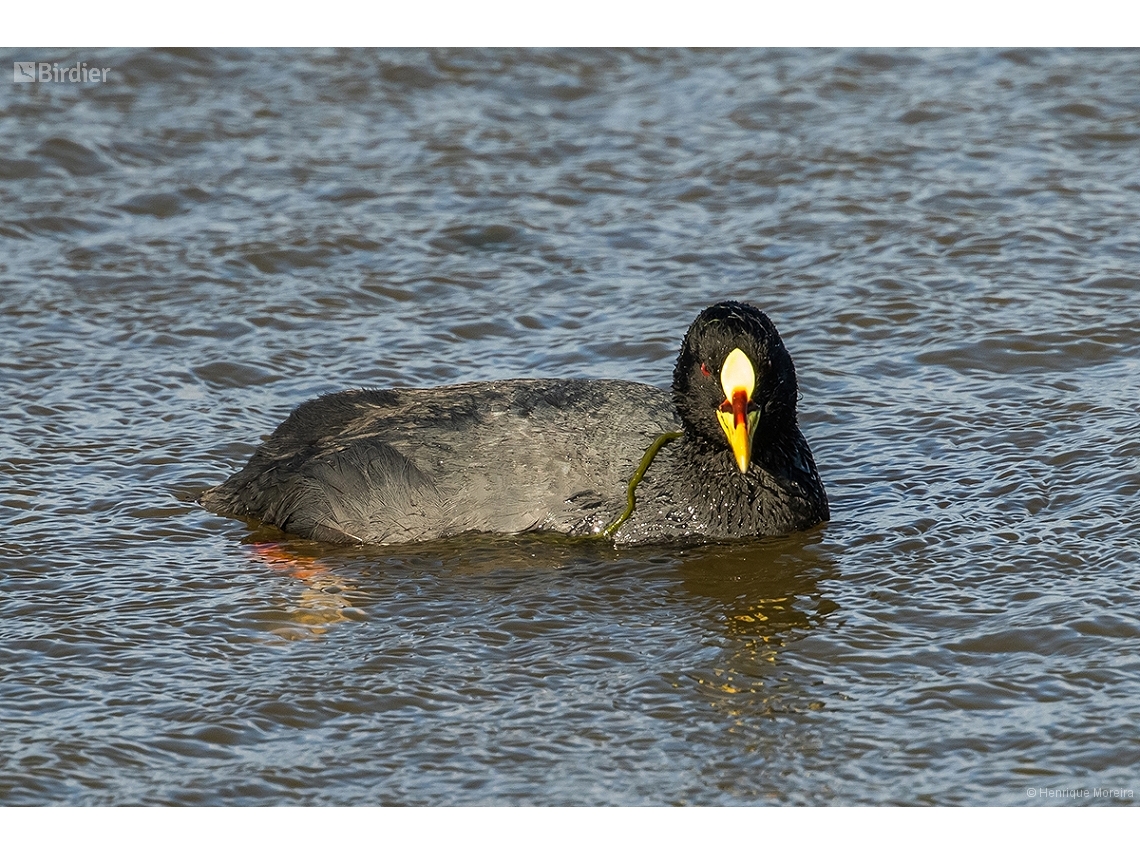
x=52, y=72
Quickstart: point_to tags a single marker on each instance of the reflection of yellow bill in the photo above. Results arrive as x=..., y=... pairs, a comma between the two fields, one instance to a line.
x=322, y=601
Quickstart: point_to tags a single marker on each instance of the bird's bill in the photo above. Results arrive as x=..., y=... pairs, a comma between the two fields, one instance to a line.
x=738, y=379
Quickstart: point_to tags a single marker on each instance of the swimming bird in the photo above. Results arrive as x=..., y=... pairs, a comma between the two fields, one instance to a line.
x=722, y=457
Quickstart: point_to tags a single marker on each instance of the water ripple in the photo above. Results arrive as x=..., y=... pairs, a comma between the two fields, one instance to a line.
x=945, y=238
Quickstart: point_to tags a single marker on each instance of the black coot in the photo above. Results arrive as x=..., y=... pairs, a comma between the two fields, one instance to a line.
x=397, y=465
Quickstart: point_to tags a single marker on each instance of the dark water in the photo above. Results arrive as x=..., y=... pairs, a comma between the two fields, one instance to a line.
x=948, y=241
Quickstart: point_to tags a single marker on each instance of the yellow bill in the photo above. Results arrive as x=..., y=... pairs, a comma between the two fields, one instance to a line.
x=738, y=379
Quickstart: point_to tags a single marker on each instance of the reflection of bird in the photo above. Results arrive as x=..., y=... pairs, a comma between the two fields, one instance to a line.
x=386, y=466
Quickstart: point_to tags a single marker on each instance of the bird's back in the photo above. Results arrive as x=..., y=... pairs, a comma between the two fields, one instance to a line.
x=386, y=466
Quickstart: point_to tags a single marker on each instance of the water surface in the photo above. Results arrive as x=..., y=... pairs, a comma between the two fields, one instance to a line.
x=947, y=241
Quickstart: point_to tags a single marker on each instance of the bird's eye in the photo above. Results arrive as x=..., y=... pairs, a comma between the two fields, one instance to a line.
x=705, y=370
